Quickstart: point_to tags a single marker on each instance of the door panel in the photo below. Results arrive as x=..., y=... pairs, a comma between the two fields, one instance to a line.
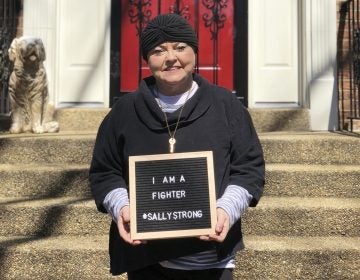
x=274, y=53
x=82, y=54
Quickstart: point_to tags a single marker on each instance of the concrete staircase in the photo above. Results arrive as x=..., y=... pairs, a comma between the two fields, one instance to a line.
x=307, y=226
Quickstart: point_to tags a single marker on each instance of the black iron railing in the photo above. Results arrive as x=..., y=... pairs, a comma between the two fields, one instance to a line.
x=9, y=13
x=349, y=63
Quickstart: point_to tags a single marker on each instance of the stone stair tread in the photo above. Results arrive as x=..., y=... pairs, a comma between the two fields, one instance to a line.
x=61, y=242
x=269, y=166
x=291, y=135
x=296, y=135
x=312, y=167
x=61, y=135
x=257, y=243
x=279, y=243
x=308, y=202
x=46, y=202
x=42, y=167
x=312, y=180
x=303, y=135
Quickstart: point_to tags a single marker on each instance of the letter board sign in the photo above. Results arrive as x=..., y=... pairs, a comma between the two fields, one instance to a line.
x=172, y=195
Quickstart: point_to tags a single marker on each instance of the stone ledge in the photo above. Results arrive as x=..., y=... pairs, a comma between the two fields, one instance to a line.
x=268, y=120
x=265, y=120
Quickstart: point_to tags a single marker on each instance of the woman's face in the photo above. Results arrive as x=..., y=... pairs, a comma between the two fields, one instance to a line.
x=172, y=64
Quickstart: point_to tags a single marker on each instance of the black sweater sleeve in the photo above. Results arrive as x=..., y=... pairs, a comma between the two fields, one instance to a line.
x=247, y=161
x=106, y=169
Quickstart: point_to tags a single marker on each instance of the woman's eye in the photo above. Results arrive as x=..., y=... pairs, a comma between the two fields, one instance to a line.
x=157, y=51
x=181, y=48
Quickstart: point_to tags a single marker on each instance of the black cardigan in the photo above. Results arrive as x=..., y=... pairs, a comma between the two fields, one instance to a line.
x=213, y=119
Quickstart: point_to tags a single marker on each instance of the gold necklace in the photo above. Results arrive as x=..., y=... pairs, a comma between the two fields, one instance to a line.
x=172, y=139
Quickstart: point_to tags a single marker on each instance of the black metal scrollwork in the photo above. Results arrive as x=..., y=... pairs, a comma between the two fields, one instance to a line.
x=356, y=56
x=139, y=14
x=179, y=8
x=216, y=20
x=9, y=11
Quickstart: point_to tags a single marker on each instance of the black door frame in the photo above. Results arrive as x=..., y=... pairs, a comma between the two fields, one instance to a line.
x=240, y=50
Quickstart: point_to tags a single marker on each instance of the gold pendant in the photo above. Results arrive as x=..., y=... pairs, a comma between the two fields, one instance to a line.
x=172, y=142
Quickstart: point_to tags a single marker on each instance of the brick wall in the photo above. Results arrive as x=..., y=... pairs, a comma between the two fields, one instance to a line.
x=345, y=63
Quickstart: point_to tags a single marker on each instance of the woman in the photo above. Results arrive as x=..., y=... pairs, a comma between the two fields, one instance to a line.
x=176, y=110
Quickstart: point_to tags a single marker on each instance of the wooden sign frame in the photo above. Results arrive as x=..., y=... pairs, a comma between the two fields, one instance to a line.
x=199, y=167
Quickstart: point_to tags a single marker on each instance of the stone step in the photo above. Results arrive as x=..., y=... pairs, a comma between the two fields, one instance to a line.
x=311, y=148
x=270, y=120
x=80, y=119
x=291, y=216
x=69, y=148
x=286, y=148
x=300, y=258
x=60, y=257
x=298, y=216
x=269, y=257
x=312, y=180
x=51, y=180
x=265, y=120
x=54, y=180
x=51, y=216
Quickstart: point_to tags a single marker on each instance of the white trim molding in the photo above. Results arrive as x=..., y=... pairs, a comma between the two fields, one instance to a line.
x=321, y=63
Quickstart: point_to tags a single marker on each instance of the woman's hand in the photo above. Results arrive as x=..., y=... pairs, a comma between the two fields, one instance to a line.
x=124, y=226
x=221, y=229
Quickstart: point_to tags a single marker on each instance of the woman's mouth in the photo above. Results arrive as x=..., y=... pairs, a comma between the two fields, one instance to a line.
x=173, y=68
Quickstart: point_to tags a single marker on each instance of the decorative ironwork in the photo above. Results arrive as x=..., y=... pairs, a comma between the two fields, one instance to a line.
x=215, y=21
x=349, y=63
x=9, y=10
x=356, y=56
x=140, y=15
x=179, y=8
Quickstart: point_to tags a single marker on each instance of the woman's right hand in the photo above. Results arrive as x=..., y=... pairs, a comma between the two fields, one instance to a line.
x=124, y=226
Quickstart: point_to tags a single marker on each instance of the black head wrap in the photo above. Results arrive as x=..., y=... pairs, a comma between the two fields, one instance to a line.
x=167, y=28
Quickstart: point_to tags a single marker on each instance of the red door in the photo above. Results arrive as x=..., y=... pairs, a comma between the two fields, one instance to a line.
x=212, y=20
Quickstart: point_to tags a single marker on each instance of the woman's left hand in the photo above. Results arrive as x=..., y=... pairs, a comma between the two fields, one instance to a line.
x=221, y=229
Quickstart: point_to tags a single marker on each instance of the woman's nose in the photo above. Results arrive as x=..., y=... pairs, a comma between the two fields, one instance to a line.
x=170, y=55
